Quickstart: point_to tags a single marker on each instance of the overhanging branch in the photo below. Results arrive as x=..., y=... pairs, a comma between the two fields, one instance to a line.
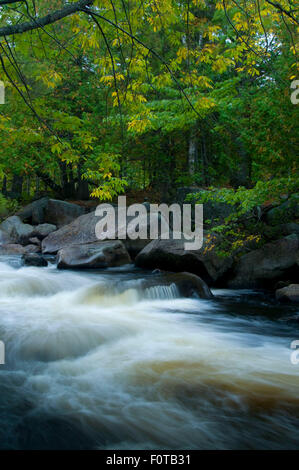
x=45, y=20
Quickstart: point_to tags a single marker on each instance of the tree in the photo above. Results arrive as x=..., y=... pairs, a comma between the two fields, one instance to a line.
x=153, y=94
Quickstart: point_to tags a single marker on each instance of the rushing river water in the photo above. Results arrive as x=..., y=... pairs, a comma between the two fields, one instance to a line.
x=92, y=361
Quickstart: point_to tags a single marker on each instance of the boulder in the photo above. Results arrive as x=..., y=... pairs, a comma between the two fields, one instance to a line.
x=288, y=211
x=93, y=255
x=273, y=262
x=35, y=241
x=171, y=255
x=289, y=228
x=214, y=212
x=188, y=285
x=34, y=260
x=288, y=294
x=12, y=249
x=135, y=246
x=16, y=230
x=83, y=230
x=52, y=211
x=4, y=237
x=80, y=231
x=32, y=249
x=34, y=212
x=281, y=284
x=43, y=230
x=61, y=212
x=275, y=232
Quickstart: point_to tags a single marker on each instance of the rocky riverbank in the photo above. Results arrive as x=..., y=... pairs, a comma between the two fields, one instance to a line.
x=67, y=230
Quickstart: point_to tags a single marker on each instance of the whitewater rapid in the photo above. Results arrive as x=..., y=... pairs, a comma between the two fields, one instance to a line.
x=94, y=361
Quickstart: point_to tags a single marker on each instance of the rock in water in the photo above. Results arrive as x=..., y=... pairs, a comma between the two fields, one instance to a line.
x=16, y=230
x=274, y=261
x=93, y=255
x=171, y=255
x=288, y=294
x=12, y=249
x=188, y=285
x=34, y=260
x=32, y=249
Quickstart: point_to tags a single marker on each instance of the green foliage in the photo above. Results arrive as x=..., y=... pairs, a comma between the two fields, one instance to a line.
x=242, y=229
x=244, y=200
x=7, y=206
x=119, y=99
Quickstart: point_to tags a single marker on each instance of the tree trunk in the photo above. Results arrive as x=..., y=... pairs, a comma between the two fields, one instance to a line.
x=68, y=187
x=193, y=151
x=16, y=187
x=4, y=185
x=243, y=176
x=82, y=189
x=204, y=158
x=37, y=184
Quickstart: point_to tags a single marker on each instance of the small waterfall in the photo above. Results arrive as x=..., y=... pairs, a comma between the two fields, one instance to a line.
x=162, y=292
x=127, y=293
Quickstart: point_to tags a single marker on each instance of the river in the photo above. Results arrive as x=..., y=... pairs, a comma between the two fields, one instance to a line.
x=95, y=362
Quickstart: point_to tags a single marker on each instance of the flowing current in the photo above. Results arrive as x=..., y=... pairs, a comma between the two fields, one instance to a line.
x=95, y=362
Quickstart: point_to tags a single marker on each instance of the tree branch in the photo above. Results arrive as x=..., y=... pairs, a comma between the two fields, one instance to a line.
x=282, y=10
x=8, y=2
x=149, y=49
x=45, y=20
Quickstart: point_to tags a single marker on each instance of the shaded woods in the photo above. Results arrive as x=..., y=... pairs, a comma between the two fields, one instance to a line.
x=110, y=96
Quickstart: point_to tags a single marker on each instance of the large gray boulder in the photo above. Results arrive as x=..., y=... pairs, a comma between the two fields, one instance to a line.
x=34, y=212
x=13, y=230
x=43, y=230
x=17, y=249
x=171, y=255
x=4, y=237
x=61, y=212
x=78, y=232
x=31, y=248
x=288, y=294
x=274, y=261
x=134, y=246
x=83, y=230
x=52, y=211
x=12, y=249
x=16, y=230
x=93, y=255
